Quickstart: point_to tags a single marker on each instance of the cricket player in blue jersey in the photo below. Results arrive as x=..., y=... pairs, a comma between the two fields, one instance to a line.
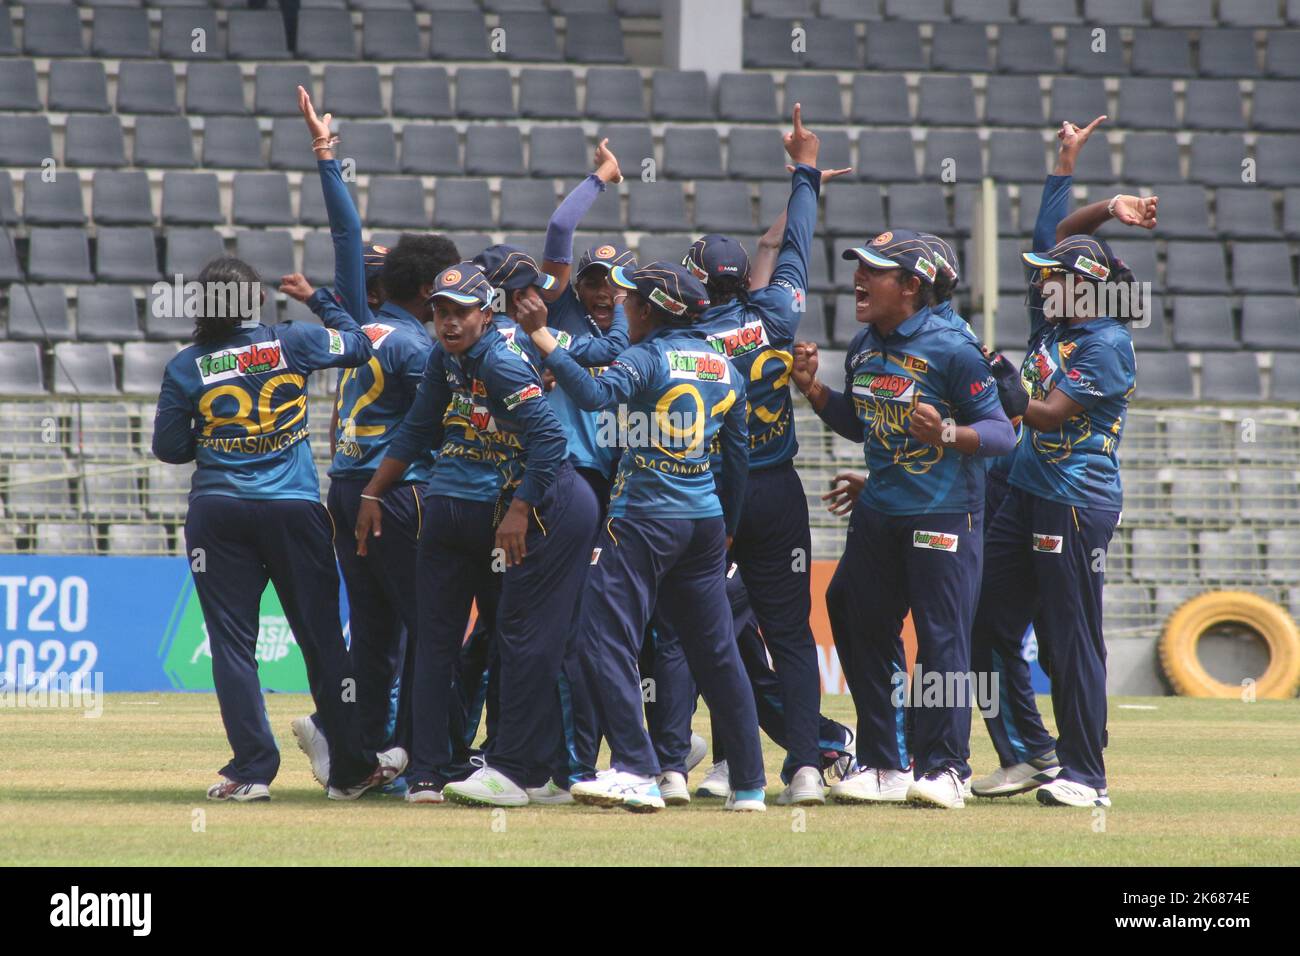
x=665, y=539
x=919, y=394
x=544, y=519
x=235, y=403
x=755, y=329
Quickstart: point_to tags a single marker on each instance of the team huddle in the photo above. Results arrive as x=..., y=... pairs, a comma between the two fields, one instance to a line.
x=589, y=469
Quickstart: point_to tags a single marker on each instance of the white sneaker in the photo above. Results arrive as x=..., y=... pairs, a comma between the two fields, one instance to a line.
x=227, y=789
x=312, y=742
x=1068, y=793
x=805, y=789
x=940, y=789
x=549, y=795
x=699, y=750
x=716, y=783
x=390, y=763
x=631, y=791
x=424, y=791
x=847, y=763
x=746, y=801
x=873, y=786
x=672, y=787
x=1019, y=778
x=487, y=787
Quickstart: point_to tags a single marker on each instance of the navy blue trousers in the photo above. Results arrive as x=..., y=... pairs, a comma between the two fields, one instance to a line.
x=1016, y=729
x=671, y=705
x=674, y=567
x=930, y=565
x=1045, y=564
x=773, y=547
x=287, y=542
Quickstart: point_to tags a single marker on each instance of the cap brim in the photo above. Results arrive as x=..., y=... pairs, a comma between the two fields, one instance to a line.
x=618, y=275
x=872, y=259
x=1039, y=262
x=545, y=281
x=458, y=297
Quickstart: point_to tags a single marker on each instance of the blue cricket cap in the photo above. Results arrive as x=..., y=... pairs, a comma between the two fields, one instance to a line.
x=897, y=249
x=943, y=255
x=668, y=286
x=509, y=267
x=607, y=255
x=464, y=283
x=714, y=256
x=1085, y=256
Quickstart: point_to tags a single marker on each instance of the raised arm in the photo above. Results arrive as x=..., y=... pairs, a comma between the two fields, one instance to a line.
x=626, y=376
x=557, y=255
x=832, y=407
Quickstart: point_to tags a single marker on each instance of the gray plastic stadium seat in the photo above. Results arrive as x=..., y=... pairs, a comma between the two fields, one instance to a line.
x=1083, y=57
x=421, y=92
x=1164, y=376
x=853, y=210
x=1195, y=267
x=557, y=151
x=10, y=269
x=327, y=35
x=960, y=48
x=848, y=9
x=56, y=203
x=1078, y=99
x=946, y=101
x=290, y=149
x=40, y=489
x=768, y=44
x=548, y=94
x=163, y=141
x=1203, y=322
x=1228, y=53
x=38, y=312
x=353, y=91
x=1017, y=156
x=120, y=34
x=829, y=46
x=146, y=87
x=214, y=89
x=1271, y=156
x=431, y=150
x=633, y=144
x=257, y=35
x=614, y=94
x=1184, y=210
x=261, y=199
x=191, y=199
x=91, y=140
x=1267, y=494
x=526, y=204
x=1274, y=106
x=371, y=146
x=25, y=141
x=1282, y=58
x=1183, y=13
x=126, y=254
x=1249, y=14
x=58, y=255
x=530, y=37
x=268, y=251
x=20, y=367
x=137, y=539
x=921, y=11
x=982, y=11
x=1150, y=154
x=1270, y=322
x=276, y=86
x=919, y=207
x=1231, y=378
x=232, y=142
x=663, y=248
x=1054, y=12
x=1146, y=103
x=76, y=87
x=58, y=538
x=594, y=38
x=747, y=98
x=459, y=35
x=397, y=202
x=318, y=258
x=1162, y=53
x=85, y=368
x=108, y=313
x=893, y=47
x=1026, y=48
x=1213, y=104
x=18, y=85
x=1290, y=212
x=189, y=250
x=692, y=153
x=1262, y=267
x=1283, y=547
x=507, y=6
x=1217, y=157
x=1245, y=213
x=168, y=486
x=1202, y=494
x=494, y=151
x=891, y=153
x=656, y=207
x=680, y=95
x=7, y=47
x=844, y=321
x=1151, y=331
x=1013, y=101
x=122, y=199
x=754, y=154
x=142, y=371
x=962, y=148
x=880, y=100
x=484, y=92
x=781, y=8
x=1162, y=554
x=605, y=214
x=724, y=207
x=52, y=30
x=391, y=35
x=462, y=204
x=176, y=38
x=1138, y=255
x=8, y=211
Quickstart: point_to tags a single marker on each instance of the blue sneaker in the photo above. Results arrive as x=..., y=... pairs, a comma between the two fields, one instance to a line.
x=397, y=787
x=747, y=801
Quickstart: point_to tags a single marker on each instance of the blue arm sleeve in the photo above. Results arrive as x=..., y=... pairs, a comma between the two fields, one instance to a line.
x=735, y=459
x=422, y=428
x=340, y=344
x=791, y=272
x=173, y=424
x=629, y=374
x=593, y=351
x=1052, y=208
x=565, y=219
x=546, y=445
x=345, y=230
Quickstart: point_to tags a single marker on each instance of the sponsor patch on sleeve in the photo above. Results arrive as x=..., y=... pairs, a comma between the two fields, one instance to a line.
x=336, y=342
x=564, y=340
x=935, y=540
x=1048, y=543
x=376, y=332
x=515, y=399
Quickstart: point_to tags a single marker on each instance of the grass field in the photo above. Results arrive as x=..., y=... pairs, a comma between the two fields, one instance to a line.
x=1193, y=782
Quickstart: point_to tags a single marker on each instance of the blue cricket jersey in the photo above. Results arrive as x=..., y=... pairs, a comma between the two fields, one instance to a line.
x=239, y=408
x=923, y=360
x=758, y=336
x=678, y=393
x=485, y=413
x=945, y=314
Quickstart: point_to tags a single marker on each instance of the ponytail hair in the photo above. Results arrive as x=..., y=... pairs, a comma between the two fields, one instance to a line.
x=232, y=294
x=727, y=288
